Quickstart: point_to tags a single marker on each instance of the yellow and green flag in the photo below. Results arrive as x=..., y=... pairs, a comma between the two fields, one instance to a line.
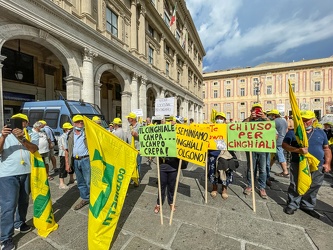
x=135, y=175
x=112, y=163
x=213, y=115
x=43, y=217
x=307, y=163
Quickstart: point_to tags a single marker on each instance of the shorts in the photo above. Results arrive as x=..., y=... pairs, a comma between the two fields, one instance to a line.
x=46, y=157
x=279, y=154
x=52, y=150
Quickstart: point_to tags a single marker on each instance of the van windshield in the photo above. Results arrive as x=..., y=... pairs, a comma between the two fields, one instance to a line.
x=81, y=108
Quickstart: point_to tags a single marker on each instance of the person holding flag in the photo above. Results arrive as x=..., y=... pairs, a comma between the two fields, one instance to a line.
x=318, y=148
x=15, y=169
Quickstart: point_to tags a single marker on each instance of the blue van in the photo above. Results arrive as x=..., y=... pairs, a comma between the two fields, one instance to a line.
x=57, y=112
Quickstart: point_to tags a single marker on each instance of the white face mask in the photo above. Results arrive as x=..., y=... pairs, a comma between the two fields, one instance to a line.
x=219, y=121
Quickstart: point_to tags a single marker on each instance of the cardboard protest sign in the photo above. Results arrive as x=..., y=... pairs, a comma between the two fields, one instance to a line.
x=252, y=136
x=218, y=135
x=192, y=143
x=159, y=140
x=164, y=106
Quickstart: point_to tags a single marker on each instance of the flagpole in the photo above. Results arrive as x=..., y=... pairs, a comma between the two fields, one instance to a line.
x=206, y=181
x=252, y=184
x=175, y=193
x=159, y=188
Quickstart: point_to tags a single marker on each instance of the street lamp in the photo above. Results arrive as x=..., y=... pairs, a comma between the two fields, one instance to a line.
x=257, y=86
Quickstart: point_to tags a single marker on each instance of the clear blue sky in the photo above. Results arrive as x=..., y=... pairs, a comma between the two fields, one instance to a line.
x=240, y=33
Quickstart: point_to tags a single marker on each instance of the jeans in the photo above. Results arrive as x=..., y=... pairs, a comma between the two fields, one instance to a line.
x=309, y=199
x=14, y=202
x=262, y=164
x=82, y=172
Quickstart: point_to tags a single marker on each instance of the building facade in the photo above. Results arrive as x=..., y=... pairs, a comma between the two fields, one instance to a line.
x=234, y=91
x=119, y=54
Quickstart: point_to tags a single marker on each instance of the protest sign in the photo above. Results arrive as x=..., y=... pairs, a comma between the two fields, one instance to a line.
x=165, y=106
x=192, y=143
x=217, y=135
x=252, y=136
x=159, y=140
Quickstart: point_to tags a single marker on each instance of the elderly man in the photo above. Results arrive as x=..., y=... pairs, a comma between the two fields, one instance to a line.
x=134, y=135
x=50, y=133
x=318, y=147
x=77, y=158
x=118, y=130
x=15, y=170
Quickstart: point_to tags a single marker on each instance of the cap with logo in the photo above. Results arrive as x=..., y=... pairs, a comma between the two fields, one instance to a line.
x=308, y=114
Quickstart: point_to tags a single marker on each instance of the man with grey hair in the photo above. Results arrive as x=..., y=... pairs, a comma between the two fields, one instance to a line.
x=118, y=130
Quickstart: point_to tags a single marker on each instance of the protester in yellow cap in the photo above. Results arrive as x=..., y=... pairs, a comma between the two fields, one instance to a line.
x=77, y=159
x=134, y=136
x=318, y=147
x=118, y=130
x=281, y=127
x=257, y=115
x=221, y=163
x=97, y=119
x=15, y=171
x=111, y=127
x=62, y=144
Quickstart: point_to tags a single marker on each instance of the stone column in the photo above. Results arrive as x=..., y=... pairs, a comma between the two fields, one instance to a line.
x=97, y=87
x=162, y=94
x=143, y=97
x=125, y=108
x=142, y=32
x=185, y=111
x=2, y=121
x=88, y=76
x=133, y=26
x=73, y=88
x=134, y=90
x=161, y=61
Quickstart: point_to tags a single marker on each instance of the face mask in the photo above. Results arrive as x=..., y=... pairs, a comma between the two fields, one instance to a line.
x=78, y=129
x=308, y=128
x=42, y=130
x=219, y=121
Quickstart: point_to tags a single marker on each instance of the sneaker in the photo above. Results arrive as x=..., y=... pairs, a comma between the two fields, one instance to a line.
x=247, y=191
x=63, y=187
x=24, y=228
x=262, y=193
x=289, y=210
x=8, y=245
x=81, y=204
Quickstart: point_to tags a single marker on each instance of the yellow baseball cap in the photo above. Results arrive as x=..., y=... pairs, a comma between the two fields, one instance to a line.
x=220, y=114
x=116, y=121
x=20, y=116
x=96, y=118
x=328, y=123
x=307, y=114
x=42, y=122
x=257, y=105
x=273, y=112
x=67, y=125
x=77, y=118
x=131, y=115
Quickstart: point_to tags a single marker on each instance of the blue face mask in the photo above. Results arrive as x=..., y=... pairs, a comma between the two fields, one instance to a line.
x=42, y=130
x=308, y=128
x=78, y=129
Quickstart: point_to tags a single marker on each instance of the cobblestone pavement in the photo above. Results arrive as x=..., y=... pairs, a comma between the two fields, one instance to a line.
x=219, y=224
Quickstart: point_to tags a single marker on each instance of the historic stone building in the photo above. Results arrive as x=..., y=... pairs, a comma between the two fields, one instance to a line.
x=119, y=54
x=234, y=91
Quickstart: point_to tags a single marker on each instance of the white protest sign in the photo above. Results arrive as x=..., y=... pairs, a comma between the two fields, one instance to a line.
x=165, y=106
x=138, y=112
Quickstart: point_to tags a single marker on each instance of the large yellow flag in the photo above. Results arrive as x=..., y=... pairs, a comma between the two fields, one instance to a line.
x=307, y=163
x=112, y=163
x=135, y=175
x=43, y=217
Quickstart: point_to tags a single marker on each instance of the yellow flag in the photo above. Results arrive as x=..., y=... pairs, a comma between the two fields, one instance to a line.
x=135, y=175
x=213, y=115
x=307, y=163
x=112, y=163
x=43, y=217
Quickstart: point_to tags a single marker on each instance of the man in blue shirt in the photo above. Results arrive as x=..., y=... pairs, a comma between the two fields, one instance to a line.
x=318, y=147
x=14, y=180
